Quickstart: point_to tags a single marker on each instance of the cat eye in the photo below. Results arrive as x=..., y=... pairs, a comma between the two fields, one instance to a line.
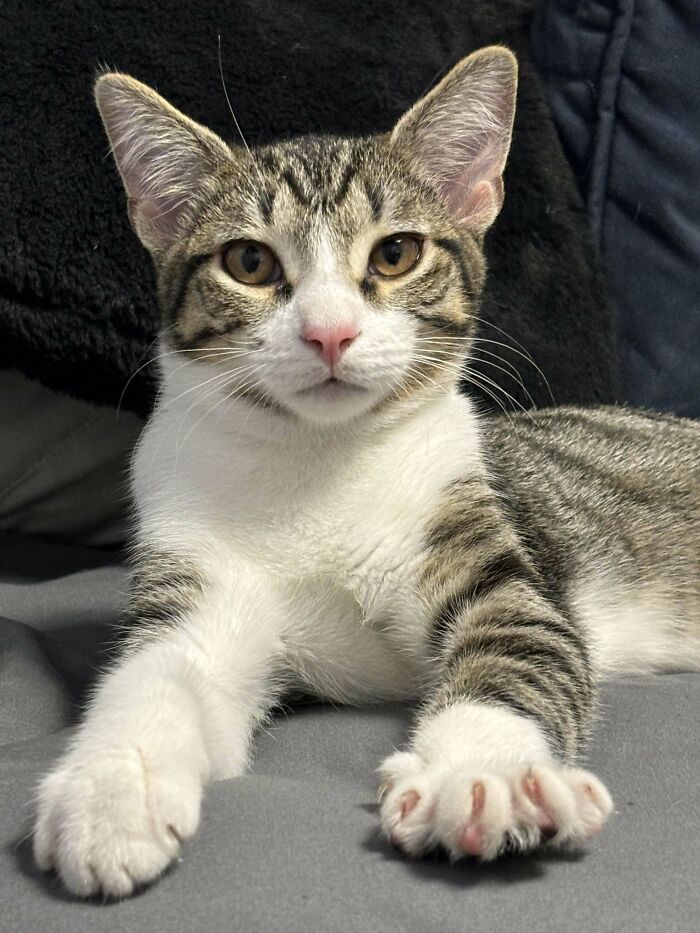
x=395, y=255
x=251, y=263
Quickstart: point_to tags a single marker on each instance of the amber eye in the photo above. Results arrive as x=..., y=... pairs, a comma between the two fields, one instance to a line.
x=251, y=262
x=395, y=255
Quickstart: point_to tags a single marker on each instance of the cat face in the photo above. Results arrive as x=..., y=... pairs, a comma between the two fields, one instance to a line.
x=325, y=277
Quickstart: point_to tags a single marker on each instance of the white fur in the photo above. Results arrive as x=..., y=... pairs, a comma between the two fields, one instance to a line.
x=172, y=715
x=633, y=630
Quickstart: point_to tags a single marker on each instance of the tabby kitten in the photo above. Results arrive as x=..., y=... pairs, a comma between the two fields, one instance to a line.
x=320, y=509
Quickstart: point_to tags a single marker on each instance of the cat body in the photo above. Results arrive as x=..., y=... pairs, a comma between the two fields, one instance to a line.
x=341, y=524
x=319, y=509
x=323, y=517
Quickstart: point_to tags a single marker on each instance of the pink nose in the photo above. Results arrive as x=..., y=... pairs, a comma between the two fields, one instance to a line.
x=330, y=342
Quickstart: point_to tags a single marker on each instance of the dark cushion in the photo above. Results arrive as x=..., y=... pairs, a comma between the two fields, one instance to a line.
x=77, y=307
x=622, y=82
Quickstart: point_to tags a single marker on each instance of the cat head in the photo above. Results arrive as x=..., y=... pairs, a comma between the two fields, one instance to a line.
x=325, y=277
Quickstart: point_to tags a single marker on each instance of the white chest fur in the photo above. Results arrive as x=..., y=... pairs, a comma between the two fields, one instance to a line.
x=340, y=516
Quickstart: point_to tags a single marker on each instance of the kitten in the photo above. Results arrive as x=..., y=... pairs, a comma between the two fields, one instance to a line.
x=319, y=509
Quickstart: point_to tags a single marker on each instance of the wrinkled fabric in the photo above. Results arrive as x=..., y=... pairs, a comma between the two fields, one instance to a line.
x=293, y=846
x=64, y=464
x=622, y=83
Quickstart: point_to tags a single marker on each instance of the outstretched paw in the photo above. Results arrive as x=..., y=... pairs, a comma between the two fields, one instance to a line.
x=483, y=812
x=109, y=823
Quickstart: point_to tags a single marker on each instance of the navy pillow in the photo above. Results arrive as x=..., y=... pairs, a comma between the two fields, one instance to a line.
x=623, y=82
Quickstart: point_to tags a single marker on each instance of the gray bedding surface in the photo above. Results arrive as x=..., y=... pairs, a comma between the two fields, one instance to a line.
x=293, y=846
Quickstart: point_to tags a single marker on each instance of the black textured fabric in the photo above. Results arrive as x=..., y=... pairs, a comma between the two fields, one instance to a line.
x=77, y=306
x=622, y=79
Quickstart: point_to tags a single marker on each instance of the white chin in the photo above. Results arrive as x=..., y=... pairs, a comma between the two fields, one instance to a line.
x=331, y=403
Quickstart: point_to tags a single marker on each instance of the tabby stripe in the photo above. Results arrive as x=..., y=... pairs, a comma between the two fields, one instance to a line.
x=465, y=537
x=558, y=676
x=538, y=694
x=434, y=295
x=375, y=199
x=268, y=161
x=519, y=644
x=452, y=247
x=266, y=204
x=516, y=685
x=163, y=587
x=612, y=481
x=584, y=420
x=566, y=490
x=502, y=569
x=295, y=188
x=341, y=193
x=609, y=425
x=476, y=514
x=307, y=166
x=193, y=264
x=555, y=625
x=206, y=333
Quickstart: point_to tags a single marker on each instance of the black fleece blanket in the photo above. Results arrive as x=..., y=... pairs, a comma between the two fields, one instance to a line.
x=77, y=306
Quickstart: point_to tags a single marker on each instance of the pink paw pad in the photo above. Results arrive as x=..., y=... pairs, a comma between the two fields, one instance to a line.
x=408, y=802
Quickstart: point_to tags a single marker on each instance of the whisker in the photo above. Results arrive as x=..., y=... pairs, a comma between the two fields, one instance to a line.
x=519, y=352
x=514, y=371
x=523, y=353
x=516, y=378
x=491, y=395
x=419, y=373
x=238, y=390
x=200, y=385
x=240, y=132
x=147, y=363
x=467, y=373
x=218, y=349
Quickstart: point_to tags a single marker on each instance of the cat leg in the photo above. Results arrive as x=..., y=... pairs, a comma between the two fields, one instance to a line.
x=177, y=709
x=490, y=765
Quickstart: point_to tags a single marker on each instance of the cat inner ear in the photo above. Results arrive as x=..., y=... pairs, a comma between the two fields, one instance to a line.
x=165, y=159
x=458, y=135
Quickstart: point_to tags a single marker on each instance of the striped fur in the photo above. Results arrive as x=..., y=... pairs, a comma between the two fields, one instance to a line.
x=163, y=588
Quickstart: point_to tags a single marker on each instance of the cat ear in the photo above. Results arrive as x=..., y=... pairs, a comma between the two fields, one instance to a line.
x=458, y=135
x=165, y=159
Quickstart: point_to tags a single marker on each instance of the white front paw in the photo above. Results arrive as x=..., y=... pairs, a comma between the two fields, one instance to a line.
x=110, y=821
x=483, y=812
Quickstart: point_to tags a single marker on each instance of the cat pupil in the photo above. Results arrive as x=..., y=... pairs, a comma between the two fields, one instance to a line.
x=392, y=252
x=250, y=258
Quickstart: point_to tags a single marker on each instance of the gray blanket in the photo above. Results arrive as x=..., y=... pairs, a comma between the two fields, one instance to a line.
x=293, y=846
